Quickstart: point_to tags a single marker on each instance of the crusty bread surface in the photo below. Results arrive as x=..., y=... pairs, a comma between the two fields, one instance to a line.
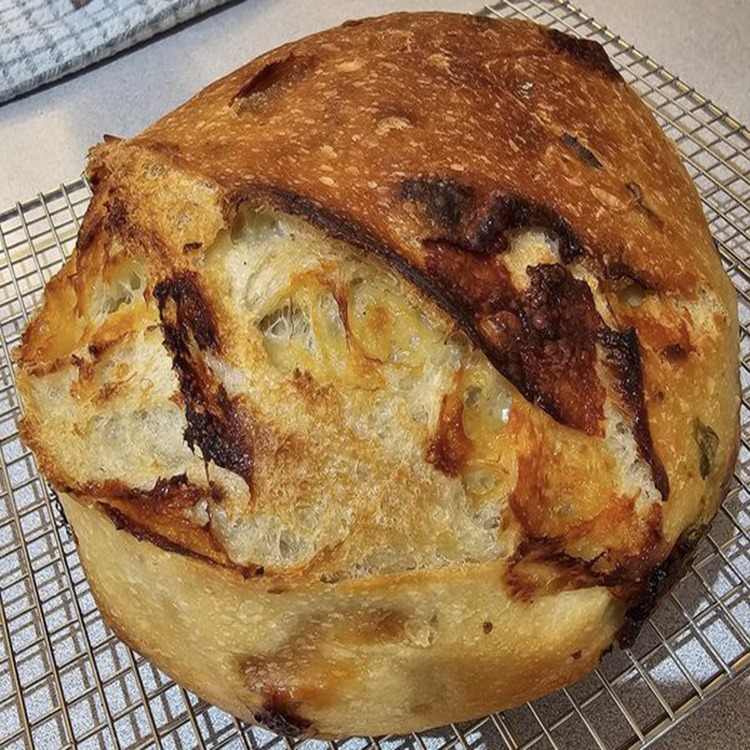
x=393, y=378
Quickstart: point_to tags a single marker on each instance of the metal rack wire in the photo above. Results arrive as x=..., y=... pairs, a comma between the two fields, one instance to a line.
x=67, y=681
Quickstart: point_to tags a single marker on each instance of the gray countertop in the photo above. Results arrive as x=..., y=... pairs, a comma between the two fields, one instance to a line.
x=44, y=136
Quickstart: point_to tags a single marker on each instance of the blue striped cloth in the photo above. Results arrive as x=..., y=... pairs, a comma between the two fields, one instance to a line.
x=42, y=40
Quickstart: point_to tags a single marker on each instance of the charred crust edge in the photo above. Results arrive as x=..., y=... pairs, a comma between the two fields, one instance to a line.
x=444, y=200
x=193, y=314
x=624, y=358
x=589, y=53
x=512, y=211
x=214, y=420
x=659, y=581
x=456, y=216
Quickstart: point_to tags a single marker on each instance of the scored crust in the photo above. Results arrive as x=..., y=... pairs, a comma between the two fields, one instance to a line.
x=376, y=358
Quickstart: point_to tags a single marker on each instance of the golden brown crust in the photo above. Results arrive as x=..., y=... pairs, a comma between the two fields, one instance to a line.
x=432, y=146
x=401, y=177
x=318, y=659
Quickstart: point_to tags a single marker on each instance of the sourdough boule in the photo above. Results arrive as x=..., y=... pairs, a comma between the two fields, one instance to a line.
x=392, y=377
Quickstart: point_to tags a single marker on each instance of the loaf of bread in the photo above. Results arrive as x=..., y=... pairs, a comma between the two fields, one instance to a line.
x=393, y=378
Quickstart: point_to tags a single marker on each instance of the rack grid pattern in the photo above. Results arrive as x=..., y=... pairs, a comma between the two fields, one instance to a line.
x=66, y=681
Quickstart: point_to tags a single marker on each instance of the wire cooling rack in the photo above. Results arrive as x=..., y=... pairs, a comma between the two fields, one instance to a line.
x=66, y=681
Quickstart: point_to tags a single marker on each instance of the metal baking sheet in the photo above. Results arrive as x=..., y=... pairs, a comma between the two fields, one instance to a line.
x=66, y=681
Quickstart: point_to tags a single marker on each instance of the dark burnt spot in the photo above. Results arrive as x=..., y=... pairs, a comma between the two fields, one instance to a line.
x=551, y=286
x=510, y=211
x=449, y=447
x=586, y=51
x=675, y=352
x=484, y=230
x=444, y=200
x=549, y=350
x=624, y=358
x=193, y=314
x=280, y=714
x=708, y=444
x=456, y=217
x=174, y=492
x=584, y=154
x=659, y=581
x=640, y=610
x=166, y=490
x=176, y=480
x=216, y=423
x=333, y=577
x=190, y=246
x=273, y=77
x=487, y=627
x=576, y=655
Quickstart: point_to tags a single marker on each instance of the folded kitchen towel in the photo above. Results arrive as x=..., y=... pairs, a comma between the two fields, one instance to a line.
x=42, y=40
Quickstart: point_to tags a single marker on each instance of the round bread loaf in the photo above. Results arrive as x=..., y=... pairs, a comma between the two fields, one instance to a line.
x=392, y=378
